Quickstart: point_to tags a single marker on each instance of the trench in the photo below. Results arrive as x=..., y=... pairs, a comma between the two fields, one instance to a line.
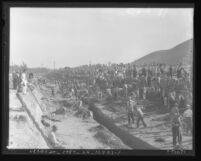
x=126, y=138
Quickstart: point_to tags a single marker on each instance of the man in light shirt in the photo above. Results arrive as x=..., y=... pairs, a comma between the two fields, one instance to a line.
x=130, y=110
x=140, y=115
x=24, y=82
x=56, y=144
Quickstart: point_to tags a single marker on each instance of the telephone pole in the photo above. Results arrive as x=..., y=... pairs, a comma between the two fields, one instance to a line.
x=54, y=64
x=90, y=63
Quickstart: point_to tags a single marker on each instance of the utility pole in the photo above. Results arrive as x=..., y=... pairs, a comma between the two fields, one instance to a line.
x=54, y=64
x=90, y=63
x=54, y=70
x=11, y=67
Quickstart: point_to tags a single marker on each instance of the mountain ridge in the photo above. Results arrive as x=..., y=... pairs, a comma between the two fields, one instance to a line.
x=182, y=52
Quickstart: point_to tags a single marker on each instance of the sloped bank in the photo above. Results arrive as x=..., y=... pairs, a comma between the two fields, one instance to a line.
x=35, y=113
x=23, y=134
x=128, y=139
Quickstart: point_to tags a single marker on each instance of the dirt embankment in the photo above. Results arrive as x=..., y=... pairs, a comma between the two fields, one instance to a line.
x=74, y=130
x=78, y=132
x=23, y=134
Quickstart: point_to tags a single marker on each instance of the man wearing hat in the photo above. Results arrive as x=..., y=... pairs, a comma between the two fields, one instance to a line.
x=176, y=130
x=187, y=115
x=176, y=126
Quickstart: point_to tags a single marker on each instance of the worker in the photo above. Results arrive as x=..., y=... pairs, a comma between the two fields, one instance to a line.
x=140, y=115
x=130, y=110
x=176, y=130
x=54, y=142
x=174, y=111
x=187, y=116
x=24, y=82
x=53, y=92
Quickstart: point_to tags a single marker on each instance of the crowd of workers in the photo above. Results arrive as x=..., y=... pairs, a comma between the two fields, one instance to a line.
x=170, y=85
x=20, y=81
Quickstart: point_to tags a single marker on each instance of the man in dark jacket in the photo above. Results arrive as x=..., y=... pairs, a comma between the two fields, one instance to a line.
x=182, y=102
x=15, y=80
x=144, y=72
x=176, y=130
x=149, y=81
x=170, y=71
x=171, y=100
x=134, y=71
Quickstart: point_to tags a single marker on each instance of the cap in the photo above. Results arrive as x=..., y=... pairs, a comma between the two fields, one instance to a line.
x=188, y=106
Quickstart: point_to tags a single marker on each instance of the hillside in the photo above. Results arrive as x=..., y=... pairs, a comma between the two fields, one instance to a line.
x=180, y=53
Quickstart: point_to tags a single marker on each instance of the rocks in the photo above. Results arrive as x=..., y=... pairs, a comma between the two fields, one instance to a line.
x=19, y=117
x=66, y=103
x=84, y=113
x=44, y=98
x=160, y=140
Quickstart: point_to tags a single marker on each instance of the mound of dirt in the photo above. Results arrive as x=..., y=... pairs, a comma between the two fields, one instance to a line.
x=99, y=127
x=20, y=118
x=160, y=140
x=83, y=113
x=66, y=103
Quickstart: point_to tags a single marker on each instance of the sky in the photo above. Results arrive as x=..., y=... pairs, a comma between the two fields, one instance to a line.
x=76, y=36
